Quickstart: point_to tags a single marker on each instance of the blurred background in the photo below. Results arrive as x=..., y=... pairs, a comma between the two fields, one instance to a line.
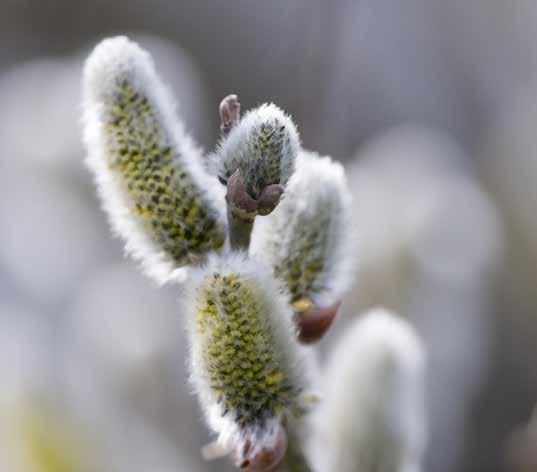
x=432, y=107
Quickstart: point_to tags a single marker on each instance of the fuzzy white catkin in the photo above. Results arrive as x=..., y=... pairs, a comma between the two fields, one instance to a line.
x=307, y=239
x=152, y=185
x=241, y=340
x=263, y=145
x=372, y=414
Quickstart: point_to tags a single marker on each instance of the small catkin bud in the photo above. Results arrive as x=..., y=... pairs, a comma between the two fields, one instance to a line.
x=307, y=240
x=151, y=181
x=243, y=357
x=372, y=414
x=230, y=112
x=263, y=146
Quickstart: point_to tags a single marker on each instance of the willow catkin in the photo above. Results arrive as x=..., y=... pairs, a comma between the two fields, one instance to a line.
x=149, y=175
x=244, y=361
x=307, y=238
x=263, y=146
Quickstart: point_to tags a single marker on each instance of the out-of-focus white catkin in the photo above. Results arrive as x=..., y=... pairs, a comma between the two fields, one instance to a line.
x=372, y=414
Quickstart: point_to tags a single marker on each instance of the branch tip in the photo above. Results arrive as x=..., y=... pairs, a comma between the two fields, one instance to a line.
x=230, y=111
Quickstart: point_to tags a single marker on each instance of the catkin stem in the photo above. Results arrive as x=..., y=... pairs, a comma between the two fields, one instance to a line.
x=240, y=230
x=294, y=460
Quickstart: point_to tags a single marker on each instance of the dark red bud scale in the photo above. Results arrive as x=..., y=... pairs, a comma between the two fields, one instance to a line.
x=269, y=199
x=312, y=321
x=263, y=459
x=237, y=195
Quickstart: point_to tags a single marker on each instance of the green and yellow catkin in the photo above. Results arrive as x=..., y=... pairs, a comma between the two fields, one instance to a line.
x=243, y=366
x=149, y=174
x=243, y=356
x=307, y=238
x=163, y=193
x=263, y=146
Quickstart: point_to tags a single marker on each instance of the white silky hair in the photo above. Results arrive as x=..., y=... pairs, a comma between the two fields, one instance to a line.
x=283, y=334
x=372, y=414
x=317, y=191
x=112, y=61
x=238, y=145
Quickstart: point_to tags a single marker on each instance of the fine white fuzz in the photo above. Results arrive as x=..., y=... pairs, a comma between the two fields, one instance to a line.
x=371, y=417
x=149, y=174
x=307, y=239
x=263, y=146
x=243, y=358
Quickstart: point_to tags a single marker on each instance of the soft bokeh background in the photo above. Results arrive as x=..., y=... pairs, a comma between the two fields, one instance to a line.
x=431, y=104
